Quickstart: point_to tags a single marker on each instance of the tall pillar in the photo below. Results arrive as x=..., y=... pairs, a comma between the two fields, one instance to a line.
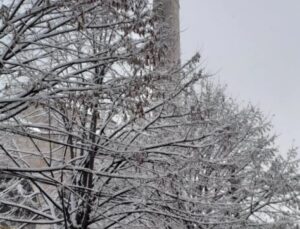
x=169, y=25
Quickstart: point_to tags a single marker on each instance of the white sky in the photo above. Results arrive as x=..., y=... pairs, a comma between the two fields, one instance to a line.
x=253, y=47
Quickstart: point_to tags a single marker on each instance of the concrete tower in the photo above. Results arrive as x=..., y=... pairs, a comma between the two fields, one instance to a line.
x=168, y=14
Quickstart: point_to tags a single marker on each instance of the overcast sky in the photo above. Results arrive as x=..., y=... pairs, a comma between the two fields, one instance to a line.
x=253, y=47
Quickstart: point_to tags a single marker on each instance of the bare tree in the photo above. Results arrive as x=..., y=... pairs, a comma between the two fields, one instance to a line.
x=234, y=174
x=95, y=135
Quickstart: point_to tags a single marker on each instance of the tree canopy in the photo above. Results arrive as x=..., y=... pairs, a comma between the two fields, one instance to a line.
x=96, y=133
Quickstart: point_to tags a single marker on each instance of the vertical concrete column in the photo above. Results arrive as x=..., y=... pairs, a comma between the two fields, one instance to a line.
x=169, y=23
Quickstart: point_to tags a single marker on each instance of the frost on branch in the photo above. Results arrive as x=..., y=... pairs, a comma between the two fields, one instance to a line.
x=94, y=135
